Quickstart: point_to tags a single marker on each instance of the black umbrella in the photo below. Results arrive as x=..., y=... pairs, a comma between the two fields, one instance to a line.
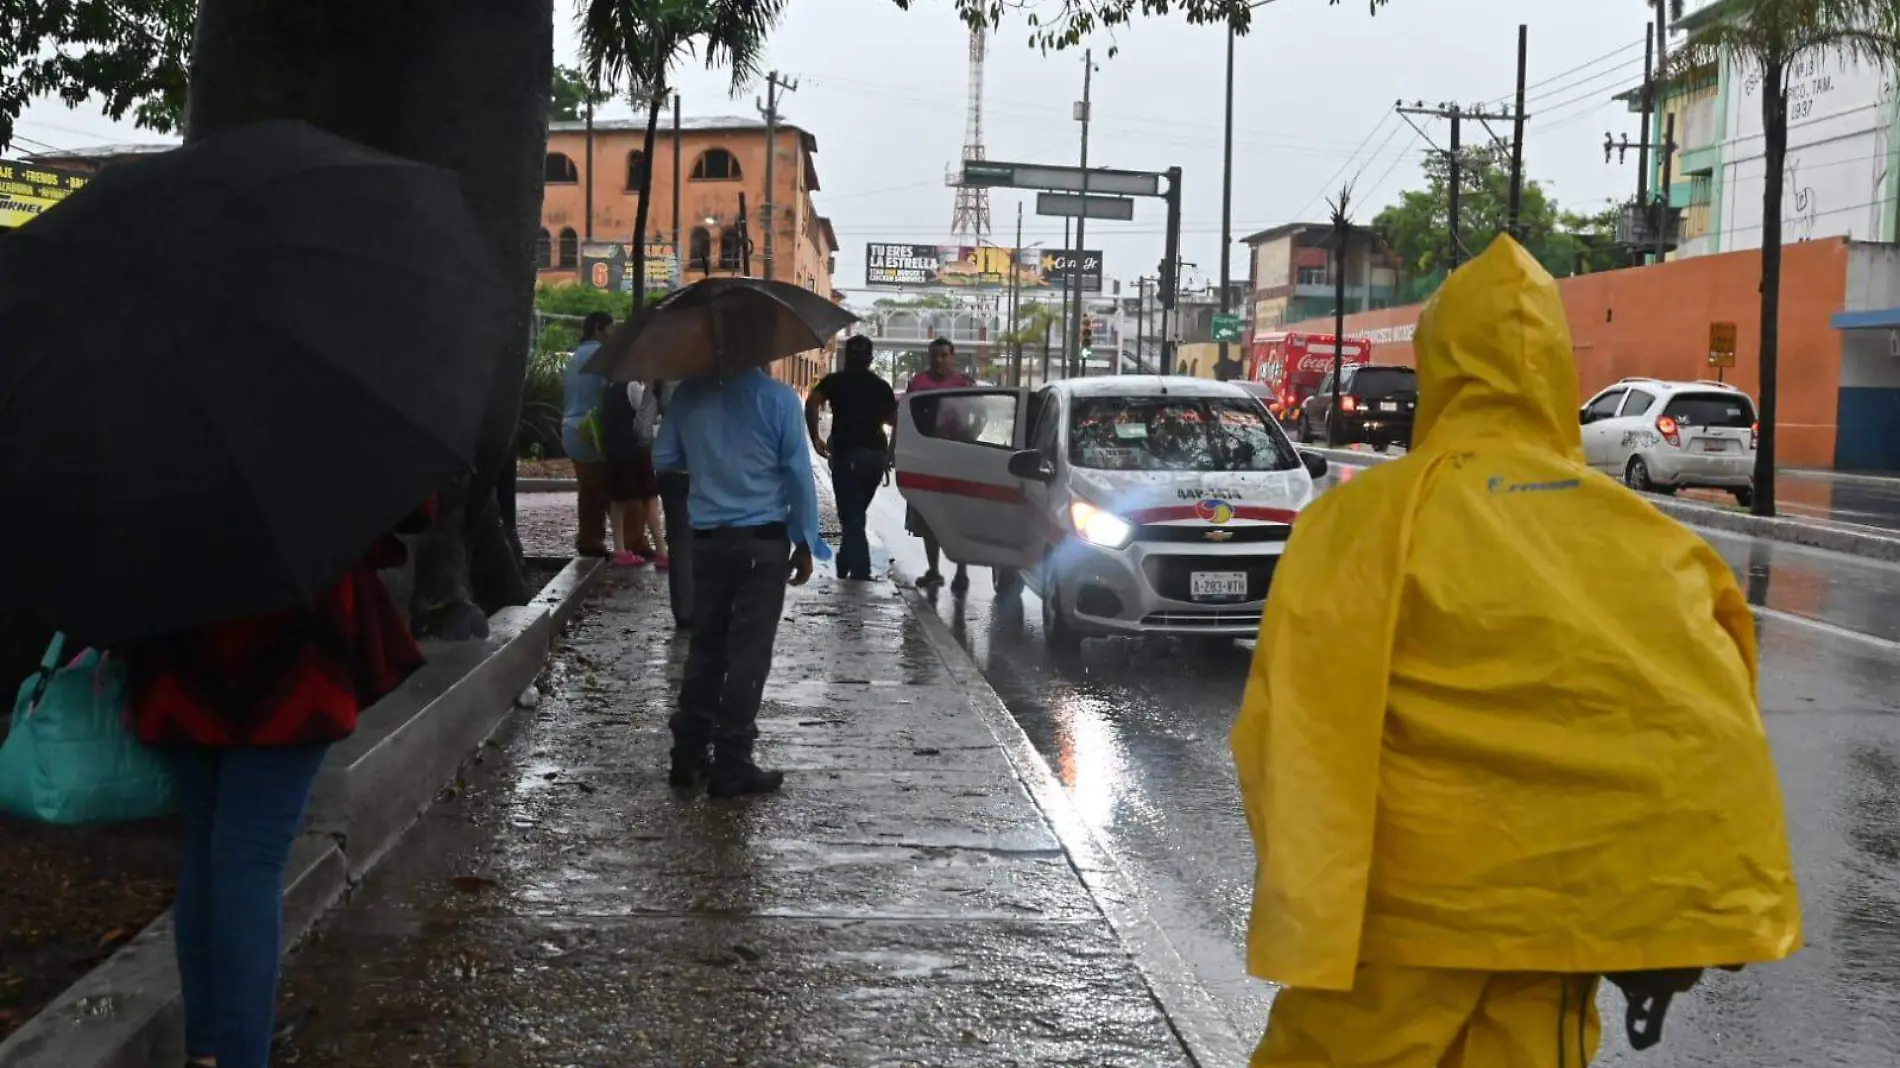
x=718, y=326
x=225, y=370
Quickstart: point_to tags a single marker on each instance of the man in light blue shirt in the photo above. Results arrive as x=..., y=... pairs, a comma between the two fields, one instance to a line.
x=754, y=511
x=581, y=393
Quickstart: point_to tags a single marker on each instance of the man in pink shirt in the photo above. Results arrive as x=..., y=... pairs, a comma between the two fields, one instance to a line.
x=941, y=373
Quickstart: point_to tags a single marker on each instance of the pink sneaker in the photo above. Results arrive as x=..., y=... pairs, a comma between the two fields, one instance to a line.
x=624, y=558
x=662, y=562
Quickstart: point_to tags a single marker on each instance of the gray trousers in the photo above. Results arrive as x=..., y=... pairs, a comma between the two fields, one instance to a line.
x=739, y=593
x=674, y=487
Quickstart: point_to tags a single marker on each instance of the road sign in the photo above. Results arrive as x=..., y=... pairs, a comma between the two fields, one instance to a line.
x=1226, y=327
x=1063, y=179
x=1090, y=206
x=1721, y=344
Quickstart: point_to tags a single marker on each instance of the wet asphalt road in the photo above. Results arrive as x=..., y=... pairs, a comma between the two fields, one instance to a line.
x=1137, y=732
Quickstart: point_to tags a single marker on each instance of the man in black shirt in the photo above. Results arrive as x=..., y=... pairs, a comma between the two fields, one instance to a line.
x=862, y=405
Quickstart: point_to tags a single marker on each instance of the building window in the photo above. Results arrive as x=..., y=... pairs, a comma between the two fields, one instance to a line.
x=717, y=165
x=729, y=250
x=570, y=249
x=1312, y=276
x=560, y=170
x=636, y=171
x=700, y=256
x=543, y=250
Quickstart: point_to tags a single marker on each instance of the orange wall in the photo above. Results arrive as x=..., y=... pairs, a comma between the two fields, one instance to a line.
x=1654, y=321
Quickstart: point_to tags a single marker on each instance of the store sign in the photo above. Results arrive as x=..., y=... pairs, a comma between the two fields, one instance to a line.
x=609, y=266
x=1390, y=335
x=27, y=189
x=984, y=267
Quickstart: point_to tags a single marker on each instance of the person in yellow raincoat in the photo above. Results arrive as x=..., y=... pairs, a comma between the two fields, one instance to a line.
x=1501, y=736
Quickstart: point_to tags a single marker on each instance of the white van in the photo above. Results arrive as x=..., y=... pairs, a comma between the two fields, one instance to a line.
x=1131, y=504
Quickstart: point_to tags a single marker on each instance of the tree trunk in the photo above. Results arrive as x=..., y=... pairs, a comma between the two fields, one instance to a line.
x=1775, y=134
x=640, y=212
x=461, y=84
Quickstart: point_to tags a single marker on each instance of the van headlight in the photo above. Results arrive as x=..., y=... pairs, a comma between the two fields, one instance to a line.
x=1099, y=527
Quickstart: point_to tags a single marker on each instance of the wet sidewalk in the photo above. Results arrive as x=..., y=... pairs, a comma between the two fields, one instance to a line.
x=903, y=902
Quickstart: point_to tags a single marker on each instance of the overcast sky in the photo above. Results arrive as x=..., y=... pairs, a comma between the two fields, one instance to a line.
x=884, y=93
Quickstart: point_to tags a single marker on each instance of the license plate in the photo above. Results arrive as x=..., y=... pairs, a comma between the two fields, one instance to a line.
x=1388, y=406
x=1714, y=445
x=1218, y=585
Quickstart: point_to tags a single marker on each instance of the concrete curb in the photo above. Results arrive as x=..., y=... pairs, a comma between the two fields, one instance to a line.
x=127, y=1012
x=546, y=485
x=1198, y=1022
x=1813, y=534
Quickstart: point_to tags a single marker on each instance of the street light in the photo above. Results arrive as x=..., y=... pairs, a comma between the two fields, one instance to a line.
x=1223, y=364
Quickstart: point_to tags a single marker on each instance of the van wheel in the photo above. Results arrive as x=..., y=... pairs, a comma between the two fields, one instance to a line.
x=1007, y=581
x=1745, y=496
x=1057, y=632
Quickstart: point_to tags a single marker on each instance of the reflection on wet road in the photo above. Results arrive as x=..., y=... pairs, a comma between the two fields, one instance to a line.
x=1137, y=732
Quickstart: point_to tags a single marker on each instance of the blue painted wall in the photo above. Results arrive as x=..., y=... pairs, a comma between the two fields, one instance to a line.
x=1868, y=438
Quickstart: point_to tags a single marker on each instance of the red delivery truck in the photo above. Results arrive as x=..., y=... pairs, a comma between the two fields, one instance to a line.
x=1292, y=366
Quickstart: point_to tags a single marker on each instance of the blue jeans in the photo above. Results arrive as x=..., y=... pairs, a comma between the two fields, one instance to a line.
x=855, y=476
x=243, y=807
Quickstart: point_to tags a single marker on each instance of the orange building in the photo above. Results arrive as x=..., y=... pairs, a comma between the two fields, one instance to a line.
x=1840, y=310
x=720, y=160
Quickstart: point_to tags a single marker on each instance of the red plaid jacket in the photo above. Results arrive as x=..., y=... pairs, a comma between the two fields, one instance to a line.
x=282, y=678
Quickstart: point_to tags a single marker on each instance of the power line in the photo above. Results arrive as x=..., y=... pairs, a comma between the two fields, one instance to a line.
x=1328, y=184
x=1585, y=65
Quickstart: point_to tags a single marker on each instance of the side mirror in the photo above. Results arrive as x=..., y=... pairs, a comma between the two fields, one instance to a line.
x=1315, y=463
x=1032, y=465
x=1583, y=416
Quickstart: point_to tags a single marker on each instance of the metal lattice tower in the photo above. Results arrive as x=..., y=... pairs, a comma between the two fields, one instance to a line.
x=971, y=219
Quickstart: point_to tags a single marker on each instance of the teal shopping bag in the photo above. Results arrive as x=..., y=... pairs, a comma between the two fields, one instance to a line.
x=70, y=757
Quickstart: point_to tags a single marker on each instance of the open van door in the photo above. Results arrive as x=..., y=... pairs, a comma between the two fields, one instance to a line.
x=953, y=450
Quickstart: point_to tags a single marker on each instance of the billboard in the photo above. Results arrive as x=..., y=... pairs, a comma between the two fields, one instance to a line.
x=26, y=189
x=978, y=267
x=609, y=266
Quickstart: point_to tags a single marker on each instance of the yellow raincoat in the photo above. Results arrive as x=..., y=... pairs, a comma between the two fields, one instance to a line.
x=1502, y=713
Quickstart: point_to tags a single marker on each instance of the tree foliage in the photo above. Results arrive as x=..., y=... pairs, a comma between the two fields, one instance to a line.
x=1055, y=25
x=570, y=94
x=130, y=54
x=1418, y=227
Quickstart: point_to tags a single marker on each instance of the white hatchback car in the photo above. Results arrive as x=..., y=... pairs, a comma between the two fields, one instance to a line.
x=1131, y=504
x=1659, y=437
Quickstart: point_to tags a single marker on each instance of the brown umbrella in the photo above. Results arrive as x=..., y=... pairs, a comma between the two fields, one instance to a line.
x=719, y=326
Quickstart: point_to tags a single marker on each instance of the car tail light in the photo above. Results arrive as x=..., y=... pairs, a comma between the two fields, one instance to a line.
x=1754, y=435
x=1667, y=427
x=1349, y=404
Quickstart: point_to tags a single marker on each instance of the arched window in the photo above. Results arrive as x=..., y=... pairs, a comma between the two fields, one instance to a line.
x=729, y=250
x=716, y=165
x=699, y=256
x=570, y=248
x=560, y=170
x=636, y=170
x=543, y=250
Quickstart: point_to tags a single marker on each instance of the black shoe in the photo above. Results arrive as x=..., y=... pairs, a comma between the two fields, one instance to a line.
x=689, y=769
x=739, y=778
x=930, y=580
x=960, y=584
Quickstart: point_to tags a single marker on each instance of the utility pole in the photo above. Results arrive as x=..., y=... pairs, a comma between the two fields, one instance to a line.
x=1015, y=297
x=1517, y=126
x=1662, y=188
x=1226, y=204
x=773, y=85
x=1649, y=102
x=1141, y=315
x=679, y=251
x=1665, y=152
x=1455, y=161
x=587, y=224
x=1074, y=326
x=1068, y=255
x=1342, y=239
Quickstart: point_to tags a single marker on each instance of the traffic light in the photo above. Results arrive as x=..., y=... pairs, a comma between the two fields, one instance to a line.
x=1088, y=336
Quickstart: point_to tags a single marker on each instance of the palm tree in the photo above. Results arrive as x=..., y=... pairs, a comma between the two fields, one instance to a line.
x=1767, y=40
x=636, y=42
x=1034, y=323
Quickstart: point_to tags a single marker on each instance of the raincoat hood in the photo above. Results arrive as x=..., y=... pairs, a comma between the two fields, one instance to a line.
x=1502, y=712
x=1494, y=357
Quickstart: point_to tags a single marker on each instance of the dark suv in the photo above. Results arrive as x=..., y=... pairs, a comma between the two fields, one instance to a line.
x=1376, y=405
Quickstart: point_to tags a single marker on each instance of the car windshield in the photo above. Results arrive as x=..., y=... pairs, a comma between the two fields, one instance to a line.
x=1731, y=410
x=1385, y=382
x=1174, y=433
